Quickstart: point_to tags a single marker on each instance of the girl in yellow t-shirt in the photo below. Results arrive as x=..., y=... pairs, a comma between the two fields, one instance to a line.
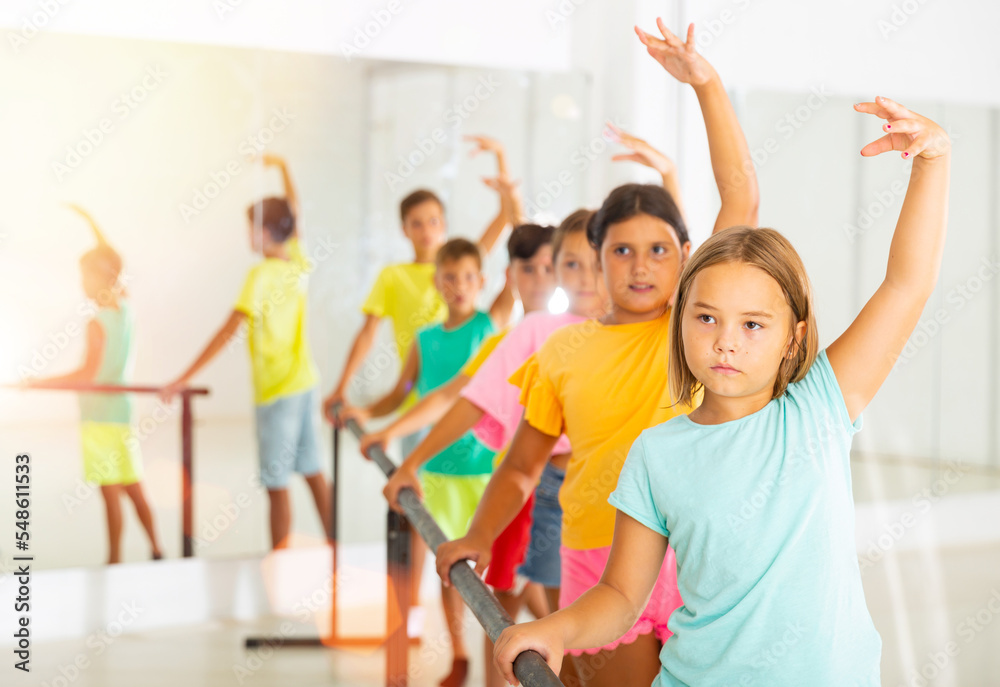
x=601, y=382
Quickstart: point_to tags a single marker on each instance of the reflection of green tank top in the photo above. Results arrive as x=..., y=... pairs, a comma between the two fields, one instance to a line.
x=115, y=368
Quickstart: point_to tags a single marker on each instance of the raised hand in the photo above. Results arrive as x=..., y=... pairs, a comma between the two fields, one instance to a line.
x=642, y=152
x=906, y=131
x=678, y=57
x=272, y=160
x=485, y=144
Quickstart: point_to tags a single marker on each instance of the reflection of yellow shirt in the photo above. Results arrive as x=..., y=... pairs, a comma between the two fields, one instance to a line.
x=274, y=301
x=405, y=293
x=601, y=385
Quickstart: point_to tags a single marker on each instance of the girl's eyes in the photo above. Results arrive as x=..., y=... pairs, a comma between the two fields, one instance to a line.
x=622, y=250
x=571, y=264
x=707, y=319
x=659, y=250
x=753, y=326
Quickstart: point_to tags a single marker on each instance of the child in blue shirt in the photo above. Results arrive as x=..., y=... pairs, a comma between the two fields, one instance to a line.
x=753, y=488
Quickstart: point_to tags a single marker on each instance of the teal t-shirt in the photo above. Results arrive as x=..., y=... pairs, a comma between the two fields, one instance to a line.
x=443, y=353
x=760, y=513
x=116, y=367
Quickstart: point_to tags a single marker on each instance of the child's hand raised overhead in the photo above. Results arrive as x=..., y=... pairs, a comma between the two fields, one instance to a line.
x=642, y=152
x=677, y=57
x=906, y=131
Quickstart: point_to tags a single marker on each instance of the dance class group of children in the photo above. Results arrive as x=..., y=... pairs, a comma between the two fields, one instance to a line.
x=602, y=454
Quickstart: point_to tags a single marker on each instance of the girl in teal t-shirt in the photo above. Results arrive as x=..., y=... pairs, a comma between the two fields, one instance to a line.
x=753, y=488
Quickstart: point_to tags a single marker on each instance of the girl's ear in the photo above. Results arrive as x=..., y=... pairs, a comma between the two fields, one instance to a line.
x=795, y=343
x=685, y=252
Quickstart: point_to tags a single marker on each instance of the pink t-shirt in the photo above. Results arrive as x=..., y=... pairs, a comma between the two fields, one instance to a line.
x=489, y=389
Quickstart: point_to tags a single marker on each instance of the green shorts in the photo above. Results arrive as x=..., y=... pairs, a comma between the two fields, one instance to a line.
x=110, y=453
x=452, y=499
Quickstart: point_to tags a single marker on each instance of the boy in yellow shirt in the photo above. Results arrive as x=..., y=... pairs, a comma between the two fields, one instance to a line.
x=272, y=308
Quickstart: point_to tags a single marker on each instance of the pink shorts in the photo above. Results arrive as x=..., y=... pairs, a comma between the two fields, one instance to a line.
x=581, y=570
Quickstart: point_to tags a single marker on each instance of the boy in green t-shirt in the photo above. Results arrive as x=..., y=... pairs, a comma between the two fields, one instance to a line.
x=271, y=310
x=111, y=456
x=453, y=481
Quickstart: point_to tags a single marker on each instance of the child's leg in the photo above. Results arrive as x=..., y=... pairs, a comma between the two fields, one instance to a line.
x=418, y=554
x=512, y=604
x=535, y=599
x=629, y=665
x=113, y=511
x=135, y=493
x=454, y=614
x=321, y=496
x=281, y=517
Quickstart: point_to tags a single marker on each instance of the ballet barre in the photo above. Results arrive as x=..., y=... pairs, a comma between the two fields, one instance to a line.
x=187, y=439
x=529, y=667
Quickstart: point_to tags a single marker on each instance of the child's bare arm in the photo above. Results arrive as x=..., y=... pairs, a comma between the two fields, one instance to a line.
x=505, y=495
x=731, y=162
x=603, y=613
x=506, y=214
x=425, y=412
x=90, y=221
x=291, y=196
x=215, y=345
x=864, y=354
x=503, y=305
x=647, y=155
x=392, y=400
x=359, y=349
x=91, y=361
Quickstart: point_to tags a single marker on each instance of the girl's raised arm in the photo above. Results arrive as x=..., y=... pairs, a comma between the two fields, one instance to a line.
x=864, y=354
x=732, y=165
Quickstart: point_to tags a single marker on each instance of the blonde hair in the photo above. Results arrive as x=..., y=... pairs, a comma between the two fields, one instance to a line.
x=771, y=252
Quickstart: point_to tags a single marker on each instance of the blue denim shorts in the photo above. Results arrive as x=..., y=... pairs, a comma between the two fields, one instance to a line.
x=541, y=562
x=288, y=438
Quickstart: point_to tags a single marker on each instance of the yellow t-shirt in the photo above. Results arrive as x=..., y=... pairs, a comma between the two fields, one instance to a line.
x=274, y=300
x=601, y=385
x=483, y=352
x=405, y=293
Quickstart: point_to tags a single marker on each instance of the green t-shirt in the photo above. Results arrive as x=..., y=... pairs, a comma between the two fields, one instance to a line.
x=116, y=367
x=443, y=353
x=274, y=300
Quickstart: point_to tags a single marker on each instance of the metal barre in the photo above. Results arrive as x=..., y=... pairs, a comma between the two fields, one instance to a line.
x=529, y=667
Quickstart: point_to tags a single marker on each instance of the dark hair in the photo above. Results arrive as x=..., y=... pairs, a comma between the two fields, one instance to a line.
x=630, y=200
x=275, y=215
x=456, y=249
x=575, y=223
x=418, y=197
x=527, y=239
